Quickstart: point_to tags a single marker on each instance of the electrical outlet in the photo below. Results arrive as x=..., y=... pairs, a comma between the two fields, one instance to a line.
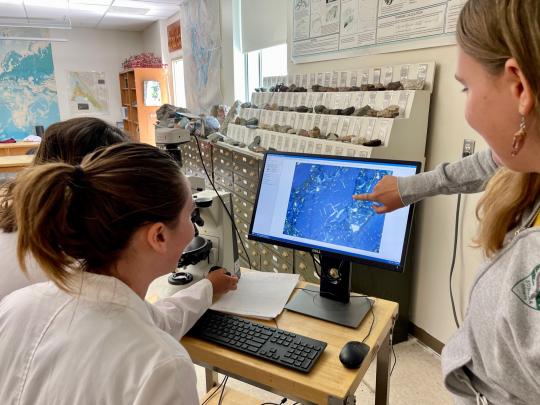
x=468, y=147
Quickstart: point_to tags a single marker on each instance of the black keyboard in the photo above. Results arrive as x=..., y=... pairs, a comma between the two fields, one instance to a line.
x=276, y=345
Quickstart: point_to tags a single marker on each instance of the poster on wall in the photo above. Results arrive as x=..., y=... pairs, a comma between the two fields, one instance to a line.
x=152, y=93
x=174, y=36
x=201, y=36
x=331, y=29
x=88, y=93
x=28, y=95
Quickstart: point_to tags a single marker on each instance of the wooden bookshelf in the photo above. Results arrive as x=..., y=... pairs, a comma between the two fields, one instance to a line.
x=139, y=119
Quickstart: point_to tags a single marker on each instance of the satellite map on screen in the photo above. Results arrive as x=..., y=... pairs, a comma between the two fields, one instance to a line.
x=321, y=206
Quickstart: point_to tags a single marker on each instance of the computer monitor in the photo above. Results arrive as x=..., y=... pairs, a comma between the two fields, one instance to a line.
x=305, y=202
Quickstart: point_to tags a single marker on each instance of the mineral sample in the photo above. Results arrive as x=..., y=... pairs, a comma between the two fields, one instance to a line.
x=394, y=86
x=315, y=133
x=413, y=84
x=392, y=111
x=374, y=142
x=347, y=111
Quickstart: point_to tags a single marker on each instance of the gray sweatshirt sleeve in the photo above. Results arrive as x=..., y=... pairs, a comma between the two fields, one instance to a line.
x=468, y=175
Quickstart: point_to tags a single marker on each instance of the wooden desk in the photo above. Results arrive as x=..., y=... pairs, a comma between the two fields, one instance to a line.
x=14, y=163
x=17, y=148
x=328, y=382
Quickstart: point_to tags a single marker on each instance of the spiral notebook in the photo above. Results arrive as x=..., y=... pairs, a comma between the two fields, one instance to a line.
x=259, y=295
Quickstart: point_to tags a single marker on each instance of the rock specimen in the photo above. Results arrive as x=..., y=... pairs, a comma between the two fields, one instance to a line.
x=255, y=146
x=394, y=86
x=315, y=133
x=365, y=111
x=392, y=111
x=413, y=84
x=373, y=142
x=347, y=111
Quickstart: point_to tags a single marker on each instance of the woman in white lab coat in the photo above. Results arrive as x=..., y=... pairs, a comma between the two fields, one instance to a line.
x=69, y=141
x=101, y=232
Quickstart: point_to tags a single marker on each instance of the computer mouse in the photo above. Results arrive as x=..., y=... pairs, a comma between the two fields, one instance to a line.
x=353, y=353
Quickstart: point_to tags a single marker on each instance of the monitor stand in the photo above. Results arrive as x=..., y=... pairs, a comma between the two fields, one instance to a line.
x=332, y=301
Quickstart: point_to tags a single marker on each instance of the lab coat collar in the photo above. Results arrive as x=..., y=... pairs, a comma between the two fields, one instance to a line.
x=107, y=290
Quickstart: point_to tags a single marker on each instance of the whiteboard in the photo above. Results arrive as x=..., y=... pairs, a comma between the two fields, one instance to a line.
x=332, y=29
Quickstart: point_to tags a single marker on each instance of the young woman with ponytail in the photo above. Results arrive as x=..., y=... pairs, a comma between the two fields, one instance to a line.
x=101, y=231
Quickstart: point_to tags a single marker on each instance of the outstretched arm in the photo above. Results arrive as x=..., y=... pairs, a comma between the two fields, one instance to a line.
x=468, y=175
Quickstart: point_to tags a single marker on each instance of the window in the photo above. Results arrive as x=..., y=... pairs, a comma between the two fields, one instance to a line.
x=263, y=63
x=179, y=90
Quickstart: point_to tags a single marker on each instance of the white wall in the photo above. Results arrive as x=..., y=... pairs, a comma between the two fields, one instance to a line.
x=152, y=39
x=431, y=309
x=93, y=50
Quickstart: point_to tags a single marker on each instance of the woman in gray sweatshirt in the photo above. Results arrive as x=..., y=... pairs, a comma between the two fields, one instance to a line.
x=494, y=357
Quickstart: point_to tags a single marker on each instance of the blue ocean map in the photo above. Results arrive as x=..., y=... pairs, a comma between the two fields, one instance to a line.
x=321, y=206
x=28, y=88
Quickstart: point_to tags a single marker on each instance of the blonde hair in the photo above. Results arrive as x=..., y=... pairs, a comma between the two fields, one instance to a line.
x=491, y=32
x=81, y=218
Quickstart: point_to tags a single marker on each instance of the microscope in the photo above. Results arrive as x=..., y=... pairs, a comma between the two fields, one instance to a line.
x=170, y=139
x=213, y=246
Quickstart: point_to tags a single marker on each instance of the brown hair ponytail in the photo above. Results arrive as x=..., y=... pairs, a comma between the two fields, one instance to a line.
x=74, y=218
x=43, y=198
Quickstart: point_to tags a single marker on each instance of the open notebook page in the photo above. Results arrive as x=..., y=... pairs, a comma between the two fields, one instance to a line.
x=259, y=295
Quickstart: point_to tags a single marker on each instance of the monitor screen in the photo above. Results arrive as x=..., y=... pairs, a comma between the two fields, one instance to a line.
x=305, y=202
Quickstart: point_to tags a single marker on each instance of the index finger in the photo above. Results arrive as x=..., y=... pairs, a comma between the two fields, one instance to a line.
x=362, y=197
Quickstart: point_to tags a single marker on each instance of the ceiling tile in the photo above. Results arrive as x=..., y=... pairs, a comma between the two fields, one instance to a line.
x=11, y=10
x=123, y=23
x=46, y=12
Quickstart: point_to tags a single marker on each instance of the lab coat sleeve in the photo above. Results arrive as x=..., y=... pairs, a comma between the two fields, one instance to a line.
x=178, y=313
x=172, y=382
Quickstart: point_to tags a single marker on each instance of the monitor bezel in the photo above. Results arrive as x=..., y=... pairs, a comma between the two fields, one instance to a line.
x=352, y=258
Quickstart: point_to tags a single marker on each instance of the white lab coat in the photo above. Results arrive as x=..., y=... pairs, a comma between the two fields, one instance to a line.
x=101, y=346
x=174, y=315
x=11, y=276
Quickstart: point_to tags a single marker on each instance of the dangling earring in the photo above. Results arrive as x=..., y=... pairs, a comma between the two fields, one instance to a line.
x=519, y=137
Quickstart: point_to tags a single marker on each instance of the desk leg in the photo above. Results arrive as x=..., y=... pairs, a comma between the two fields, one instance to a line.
x=211, y=379
x=382, y=386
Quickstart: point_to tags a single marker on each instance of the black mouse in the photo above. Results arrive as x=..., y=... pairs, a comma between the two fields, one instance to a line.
x=353, y=353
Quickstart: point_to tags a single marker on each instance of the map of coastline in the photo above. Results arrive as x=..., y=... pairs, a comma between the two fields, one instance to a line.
x=28, y=94
x=88, y=92
x=321, y=206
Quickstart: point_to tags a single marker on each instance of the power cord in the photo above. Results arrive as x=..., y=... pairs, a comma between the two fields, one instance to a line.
x=274, y=403
x=456, y=227
x=224, y=381
x=392, y=345
x=326, y=276
x=223, y=389
x=372, y=318
x=221, y=199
